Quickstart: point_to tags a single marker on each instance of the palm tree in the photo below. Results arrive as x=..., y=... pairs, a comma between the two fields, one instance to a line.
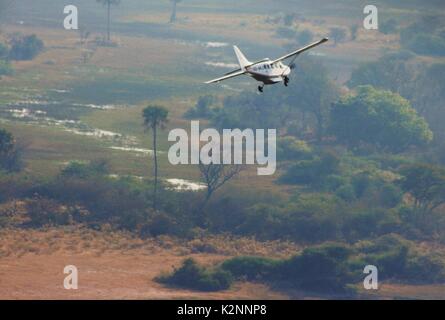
x=109, y=3
x=155, y=117
x=173, y=15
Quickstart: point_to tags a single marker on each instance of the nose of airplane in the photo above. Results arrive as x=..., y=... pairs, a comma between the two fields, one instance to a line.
x=288, y=71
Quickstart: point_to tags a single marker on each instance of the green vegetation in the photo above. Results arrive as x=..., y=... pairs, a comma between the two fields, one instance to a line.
x=425, y=36
x=10, y=153
x=360, y=175
x=25, y=47
x=192, y=276
x=5, y=68
x=332, y=268
x=379, y=118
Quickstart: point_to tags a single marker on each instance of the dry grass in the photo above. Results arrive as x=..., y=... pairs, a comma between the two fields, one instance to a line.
x=78, y=239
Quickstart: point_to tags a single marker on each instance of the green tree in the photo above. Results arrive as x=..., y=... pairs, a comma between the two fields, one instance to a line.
x=202, y=109
x=10, y=156
x=155, y=117
x=312, y=92
x=6, y=142
x=428, y=96
x=25, y=47
x=108, y=4
x=392, y=72
x=426, y=184
x=5, y=68
x=380, y=118
x=4, y=51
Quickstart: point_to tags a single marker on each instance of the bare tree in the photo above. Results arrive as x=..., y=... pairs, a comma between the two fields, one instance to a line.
x=216, y=175
x=86, y=51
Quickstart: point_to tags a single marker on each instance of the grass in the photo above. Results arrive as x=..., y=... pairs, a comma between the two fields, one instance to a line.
x=17, y=242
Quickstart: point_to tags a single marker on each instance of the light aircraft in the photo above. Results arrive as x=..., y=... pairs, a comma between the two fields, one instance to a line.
x=266, y=71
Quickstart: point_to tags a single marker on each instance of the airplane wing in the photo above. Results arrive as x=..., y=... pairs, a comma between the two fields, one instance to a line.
x=297, y=52
x=228, y=76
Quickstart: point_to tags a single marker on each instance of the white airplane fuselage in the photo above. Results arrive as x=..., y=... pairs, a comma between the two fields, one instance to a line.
x=268, y=72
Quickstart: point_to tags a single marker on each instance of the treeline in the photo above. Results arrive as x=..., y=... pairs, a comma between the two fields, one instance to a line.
x=342, y=199
x=426, y=36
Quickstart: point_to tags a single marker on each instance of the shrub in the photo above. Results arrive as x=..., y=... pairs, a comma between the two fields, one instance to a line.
x=321, y=269
x=202, y=109
x=346, y=193
x=5, y=68
x=10, y=154
x=424, y=269
x=290, y=148
x=334, y=181
x=312, y=172
x=390, y=195
x=192, y=276
x=4, y=51
x=25, y=47
x=397, y=258
x=427, y=44
x=251, y=268
x=42, y=212
x=368, y=223
x=160, y=224
x=77, y=169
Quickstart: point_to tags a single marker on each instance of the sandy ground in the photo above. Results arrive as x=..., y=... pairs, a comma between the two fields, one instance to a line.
x=115, y=265
x=110, y=276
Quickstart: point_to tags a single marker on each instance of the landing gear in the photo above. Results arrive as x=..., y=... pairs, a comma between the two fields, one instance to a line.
x=286, y=81
x=260, y=88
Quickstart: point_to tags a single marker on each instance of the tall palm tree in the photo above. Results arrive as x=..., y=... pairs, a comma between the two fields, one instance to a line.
x=109, y=3
x=173, y=15
x=155, y=117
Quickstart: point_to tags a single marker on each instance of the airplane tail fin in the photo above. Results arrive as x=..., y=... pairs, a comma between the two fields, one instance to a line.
x=242, y=60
